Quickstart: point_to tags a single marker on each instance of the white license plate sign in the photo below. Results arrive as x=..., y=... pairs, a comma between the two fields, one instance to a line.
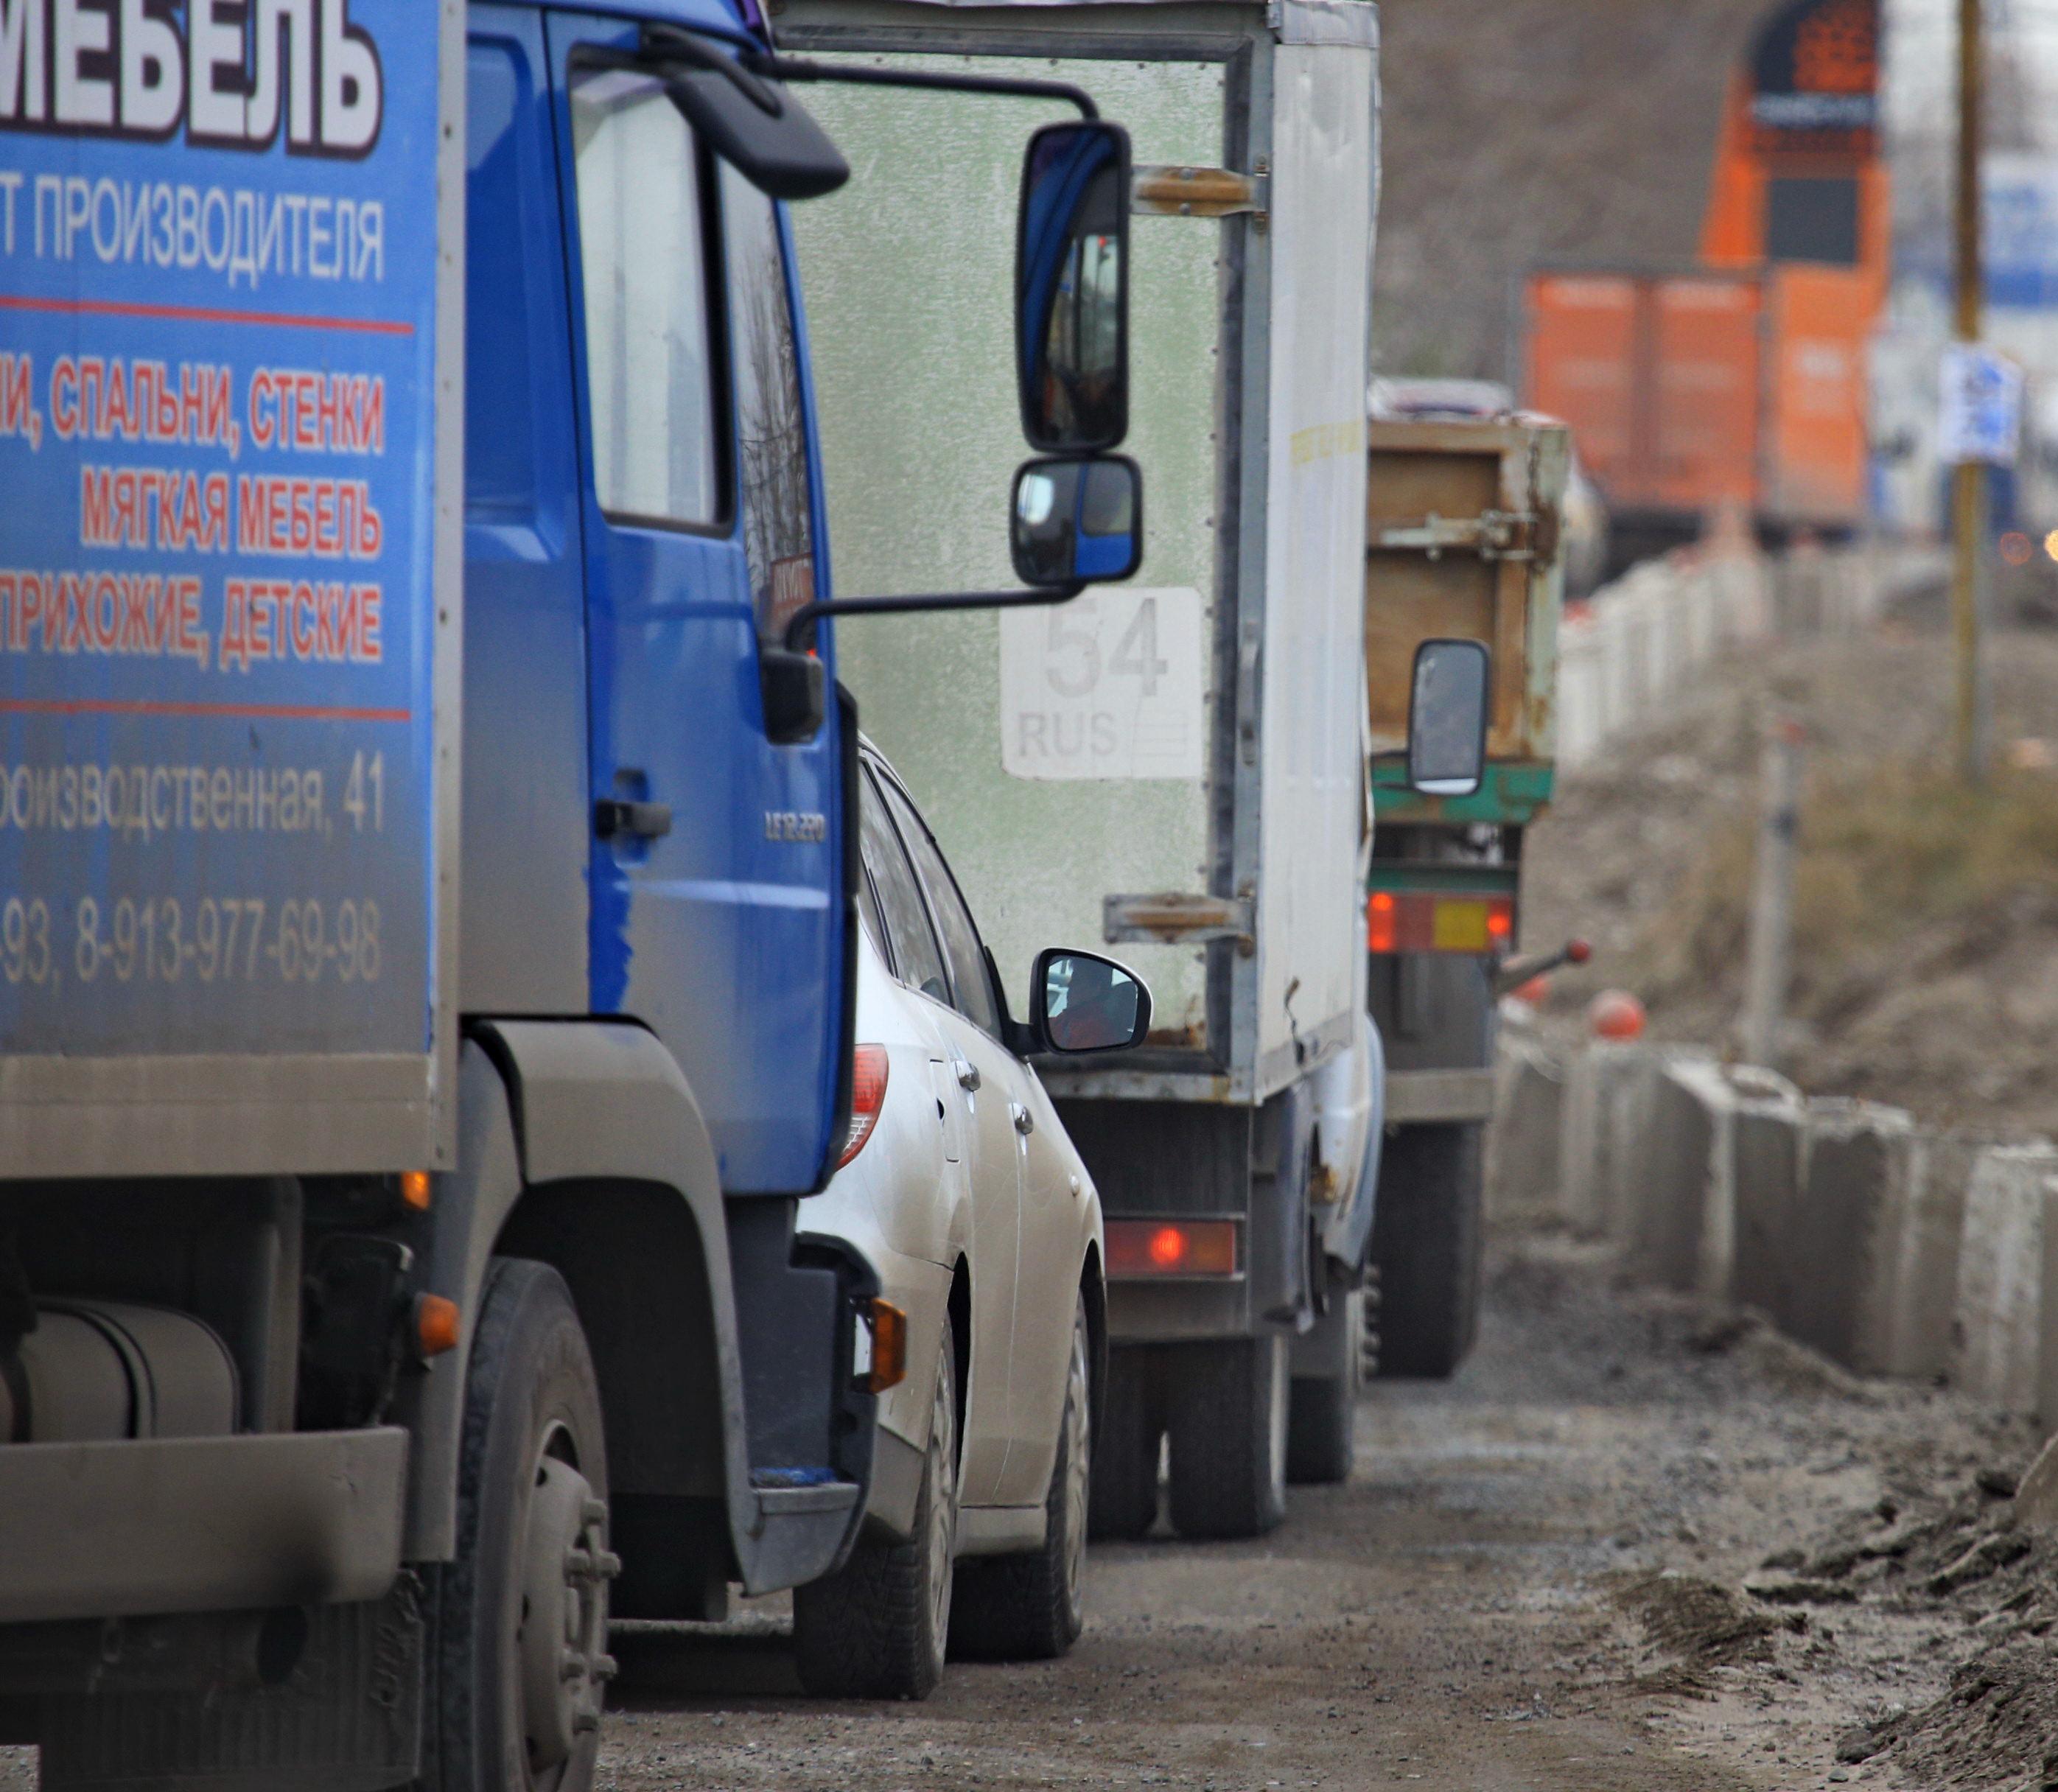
x=1109, y=686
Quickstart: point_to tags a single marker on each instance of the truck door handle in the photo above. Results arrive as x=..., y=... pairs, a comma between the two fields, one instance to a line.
x=1025, y=1122
x=968, y=1076
x=613, y=816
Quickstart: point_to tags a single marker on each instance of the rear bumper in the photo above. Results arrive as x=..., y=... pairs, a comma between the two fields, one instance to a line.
x=200, y=1524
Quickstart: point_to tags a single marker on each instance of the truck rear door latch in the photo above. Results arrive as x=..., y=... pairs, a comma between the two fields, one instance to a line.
x=1491, y=534
x=615, y=817
x=1174, y=919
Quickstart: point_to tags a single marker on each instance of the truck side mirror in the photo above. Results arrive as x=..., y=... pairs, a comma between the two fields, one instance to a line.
x=1076, y=521
x=1071, y=284
x=1082, y=1002
x=1447, y=718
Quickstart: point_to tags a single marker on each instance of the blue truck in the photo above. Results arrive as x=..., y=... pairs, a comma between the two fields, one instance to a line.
x=428, y=864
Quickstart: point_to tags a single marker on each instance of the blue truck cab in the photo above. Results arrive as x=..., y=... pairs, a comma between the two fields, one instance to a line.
x=426, y=868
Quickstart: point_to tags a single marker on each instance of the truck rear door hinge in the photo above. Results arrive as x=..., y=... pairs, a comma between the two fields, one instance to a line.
x=1173, y=919
x=1168, y=190
x=1491, y=534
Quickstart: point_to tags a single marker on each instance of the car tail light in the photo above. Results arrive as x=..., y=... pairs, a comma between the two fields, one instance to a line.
x=1423, y=921
x=868, y=1096
x=1141, y=1248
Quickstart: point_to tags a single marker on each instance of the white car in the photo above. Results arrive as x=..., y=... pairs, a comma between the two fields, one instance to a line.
x=959, y=1185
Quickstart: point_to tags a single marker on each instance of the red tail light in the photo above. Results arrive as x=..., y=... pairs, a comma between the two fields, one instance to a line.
x=868, y=1096
x=1435, y=921
x=1139, y=1248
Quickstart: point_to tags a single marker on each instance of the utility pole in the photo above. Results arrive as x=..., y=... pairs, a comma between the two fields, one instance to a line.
x=1969, y=491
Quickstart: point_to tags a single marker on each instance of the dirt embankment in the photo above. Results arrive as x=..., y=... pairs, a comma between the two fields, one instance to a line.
x=1925, y=968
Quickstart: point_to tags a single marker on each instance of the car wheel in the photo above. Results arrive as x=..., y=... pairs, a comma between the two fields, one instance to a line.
x=521, y=1614
x=1032, y=1606
x=1323, y=1402
x=876, y=1628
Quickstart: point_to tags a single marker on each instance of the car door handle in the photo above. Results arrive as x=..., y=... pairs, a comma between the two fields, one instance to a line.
x=612, y=817
x=967, y=1073
x=1025, y=1122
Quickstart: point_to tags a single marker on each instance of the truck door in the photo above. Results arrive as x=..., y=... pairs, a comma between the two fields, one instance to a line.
x=716, y=911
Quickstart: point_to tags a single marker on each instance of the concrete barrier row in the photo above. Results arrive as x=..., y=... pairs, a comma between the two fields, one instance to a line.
x=1626, y=652
x=1891, y=1249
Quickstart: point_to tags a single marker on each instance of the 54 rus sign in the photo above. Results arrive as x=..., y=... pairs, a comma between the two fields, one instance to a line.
x=1981, y=419
x=216, y=443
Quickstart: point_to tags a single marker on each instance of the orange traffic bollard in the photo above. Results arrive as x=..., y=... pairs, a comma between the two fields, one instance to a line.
x=1614, y=1013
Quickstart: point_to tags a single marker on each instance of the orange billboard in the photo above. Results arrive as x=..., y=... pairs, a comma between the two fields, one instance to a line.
x=1583, y=354
x=1705, y=384
x=1816, y=433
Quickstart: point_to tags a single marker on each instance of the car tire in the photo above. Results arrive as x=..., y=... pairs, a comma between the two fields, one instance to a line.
x=1324, y=1406
x=520, y=1615
x=1032, y=1606
x=1427, y=1240
x=877, y=1627
x=1125, y=1470
x=1228, y=1426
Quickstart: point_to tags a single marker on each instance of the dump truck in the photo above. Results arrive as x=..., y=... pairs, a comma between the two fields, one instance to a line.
x=1178, y=768
x=1463, y=541
x=428, y=870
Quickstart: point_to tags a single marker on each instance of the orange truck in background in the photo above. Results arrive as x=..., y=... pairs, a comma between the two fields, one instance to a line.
x=1741, y=382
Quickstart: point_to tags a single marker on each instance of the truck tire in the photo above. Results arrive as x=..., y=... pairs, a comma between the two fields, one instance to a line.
x=1324, y=1406
x=1032, y=1606
x=1228, y=1426
x=1427, y=1242
x=520, y=1615
x=877, y=1628
x=1124, y=1493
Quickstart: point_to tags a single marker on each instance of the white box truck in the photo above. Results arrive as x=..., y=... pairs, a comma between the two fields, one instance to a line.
x=1177, y=764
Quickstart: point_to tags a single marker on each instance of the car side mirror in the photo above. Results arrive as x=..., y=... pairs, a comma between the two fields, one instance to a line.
x=1072, y=285
x=1077, y=521
x=1447, y=718
x=1082, y=1002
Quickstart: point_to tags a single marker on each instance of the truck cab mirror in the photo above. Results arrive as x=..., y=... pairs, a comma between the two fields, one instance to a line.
x=1447, y=718
x=1082, y=1002
x=1077, y=521
x=754, y=123
x=1071, y=284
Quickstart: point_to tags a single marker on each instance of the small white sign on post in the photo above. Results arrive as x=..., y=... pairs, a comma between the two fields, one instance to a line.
x=1108, y=685
x=1982, y=407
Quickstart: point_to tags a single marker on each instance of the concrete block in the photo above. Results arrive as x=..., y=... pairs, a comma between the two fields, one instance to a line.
x=1918, y=1339
x=1996, y=1342
x=1768, y=1148
x=1523, y=1143
x=1760, y=1103
x=1686, y=1154
x=1609, y=1088
x=1846, y=1237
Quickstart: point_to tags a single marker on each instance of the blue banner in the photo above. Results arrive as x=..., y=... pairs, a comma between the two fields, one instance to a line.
x=217, y=290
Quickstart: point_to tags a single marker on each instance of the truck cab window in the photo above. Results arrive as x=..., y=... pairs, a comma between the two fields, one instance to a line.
x=771, y=424
x=915, y=956
x=643, y=255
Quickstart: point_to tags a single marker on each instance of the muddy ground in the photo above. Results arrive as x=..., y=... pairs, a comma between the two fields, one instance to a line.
x=1535, y=1579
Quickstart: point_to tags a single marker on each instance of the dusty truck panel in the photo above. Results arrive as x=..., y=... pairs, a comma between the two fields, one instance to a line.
x=231, y=623
x=1174, y=766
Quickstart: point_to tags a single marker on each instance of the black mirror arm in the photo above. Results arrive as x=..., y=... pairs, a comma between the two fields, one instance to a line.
x=797, y=625
x=796, y=68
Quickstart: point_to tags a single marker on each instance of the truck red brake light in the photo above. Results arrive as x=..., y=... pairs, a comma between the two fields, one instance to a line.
x=1140, y=1248
x=868, y=1096
x=1428, y=921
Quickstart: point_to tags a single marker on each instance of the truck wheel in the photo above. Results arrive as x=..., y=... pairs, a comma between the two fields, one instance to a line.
x=521, y=1614
x=1229, y=1437
x=1427, y=1240
x=1124, y=1503
x=1032, y=1606
x=876, y=1628
x=1324, y=1405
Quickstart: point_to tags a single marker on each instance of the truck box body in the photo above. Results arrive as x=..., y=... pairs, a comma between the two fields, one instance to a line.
x=1693, y=392
x=1170, y=764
